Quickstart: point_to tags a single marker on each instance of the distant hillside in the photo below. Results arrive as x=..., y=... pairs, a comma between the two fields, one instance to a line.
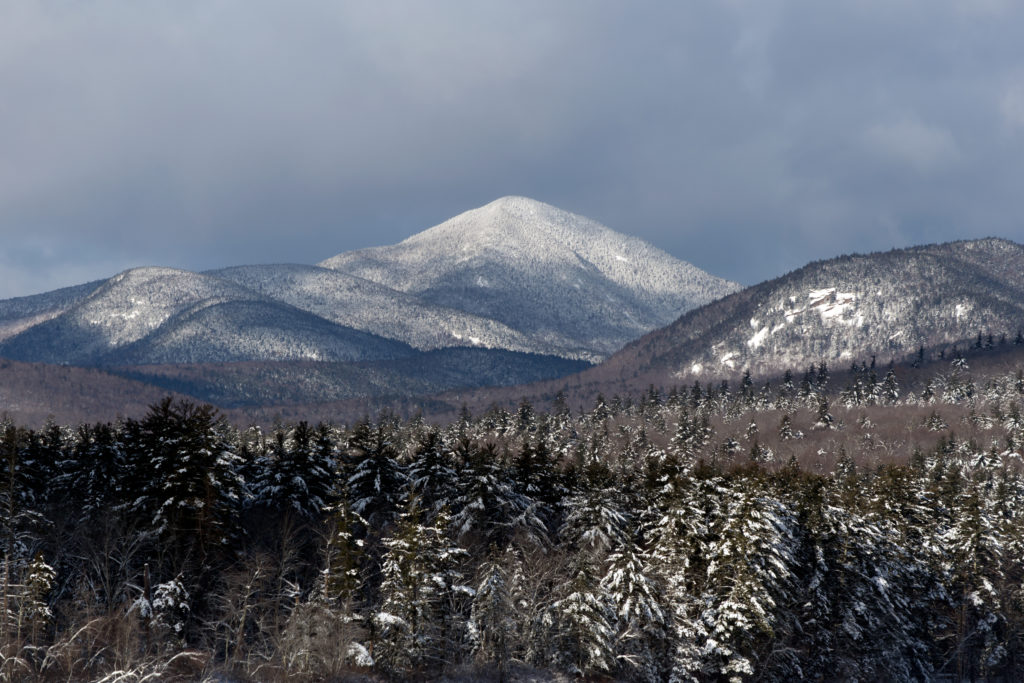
x=369, y=306
x=31, y=393
x=934, y=299
x=849, y=308
x=938, y=300
x=273, y=385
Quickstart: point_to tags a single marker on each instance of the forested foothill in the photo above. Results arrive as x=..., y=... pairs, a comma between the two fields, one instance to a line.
x=832, y=524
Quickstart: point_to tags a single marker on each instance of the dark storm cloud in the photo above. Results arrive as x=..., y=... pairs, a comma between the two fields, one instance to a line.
x=746, y=137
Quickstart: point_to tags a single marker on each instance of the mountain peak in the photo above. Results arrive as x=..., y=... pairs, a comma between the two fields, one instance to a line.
x=537, y=268
x=510, y=223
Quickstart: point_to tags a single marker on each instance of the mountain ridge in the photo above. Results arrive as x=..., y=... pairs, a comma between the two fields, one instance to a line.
x=528, y=278
x=885, y=304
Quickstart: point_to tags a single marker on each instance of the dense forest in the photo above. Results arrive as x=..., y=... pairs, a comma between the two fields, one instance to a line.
x=830, y=527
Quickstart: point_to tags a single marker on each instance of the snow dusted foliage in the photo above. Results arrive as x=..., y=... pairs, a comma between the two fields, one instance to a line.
x=376, y=480
x=545, y=272
x=680, y=538
x=750, y=585
x=166, y=613
x=492, y=624
x=296, y=474
x=594, y=520
x=85, y=478
x=580, y=623
x=859, y=598
x=876, y=549
x=640, y=624
x=852, y=307
x=487, y=509
x=432, y=472
x=424, y=599
x=343, y=553
x=193, y=490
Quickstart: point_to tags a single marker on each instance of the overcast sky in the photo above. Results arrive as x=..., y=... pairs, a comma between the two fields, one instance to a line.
x=747, y=137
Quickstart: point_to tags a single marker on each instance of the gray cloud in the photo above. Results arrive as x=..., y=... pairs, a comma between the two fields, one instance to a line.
x=746, y=137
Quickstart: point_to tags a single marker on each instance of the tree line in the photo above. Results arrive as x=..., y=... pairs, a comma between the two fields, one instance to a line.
x=830, y=527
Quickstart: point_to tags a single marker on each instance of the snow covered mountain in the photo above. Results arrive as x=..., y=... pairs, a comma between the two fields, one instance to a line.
x=562, y=279
x=843, y=310
x=516, y=275
x=163, y=315
x=21, y=313
x=372, y=307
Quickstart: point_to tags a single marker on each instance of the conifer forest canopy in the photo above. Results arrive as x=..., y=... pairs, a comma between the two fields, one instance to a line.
x=830, y=525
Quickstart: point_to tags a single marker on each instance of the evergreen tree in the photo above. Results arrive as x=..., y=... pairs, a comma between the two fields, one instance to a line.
x=421, y=614
x=750, y=588
x=595, y=521
x=488, y=510
x=580, y=624
x=640, y=625
x=432, y=474
x=295, y=476
x=193, y=490
x=492, y=626
x=376, y=481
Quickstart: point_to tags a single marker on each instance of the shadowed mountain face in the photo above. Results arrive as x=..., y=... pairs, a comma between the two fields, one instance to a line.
x=846, y=309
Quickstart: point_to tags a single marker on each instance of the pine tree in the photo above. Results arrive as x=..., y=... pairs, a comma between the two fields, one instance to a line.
x=890, y=389
x=193, y=488
x=750, y=588
x=376, y=481
x=432, y=474
x=595, y=521
x=492, y=626
x=487, y=509
x=640, y=624
x=537, y=477
x=824, y=417
x=90, y=480
x=860, y=585
x=343, y=555
x=39, y=581
x=580, y=624
x=421, y=613
x=296, y=475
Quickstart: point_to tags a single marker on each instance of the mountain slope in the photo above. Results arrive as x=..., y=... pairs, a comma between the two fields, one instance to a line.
x=843, y=310
x=123, y=310
x=163, y=315
x=232, y=385
x=364, y=305
x=216, y=331
x=556, y=276
x=21, y=313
